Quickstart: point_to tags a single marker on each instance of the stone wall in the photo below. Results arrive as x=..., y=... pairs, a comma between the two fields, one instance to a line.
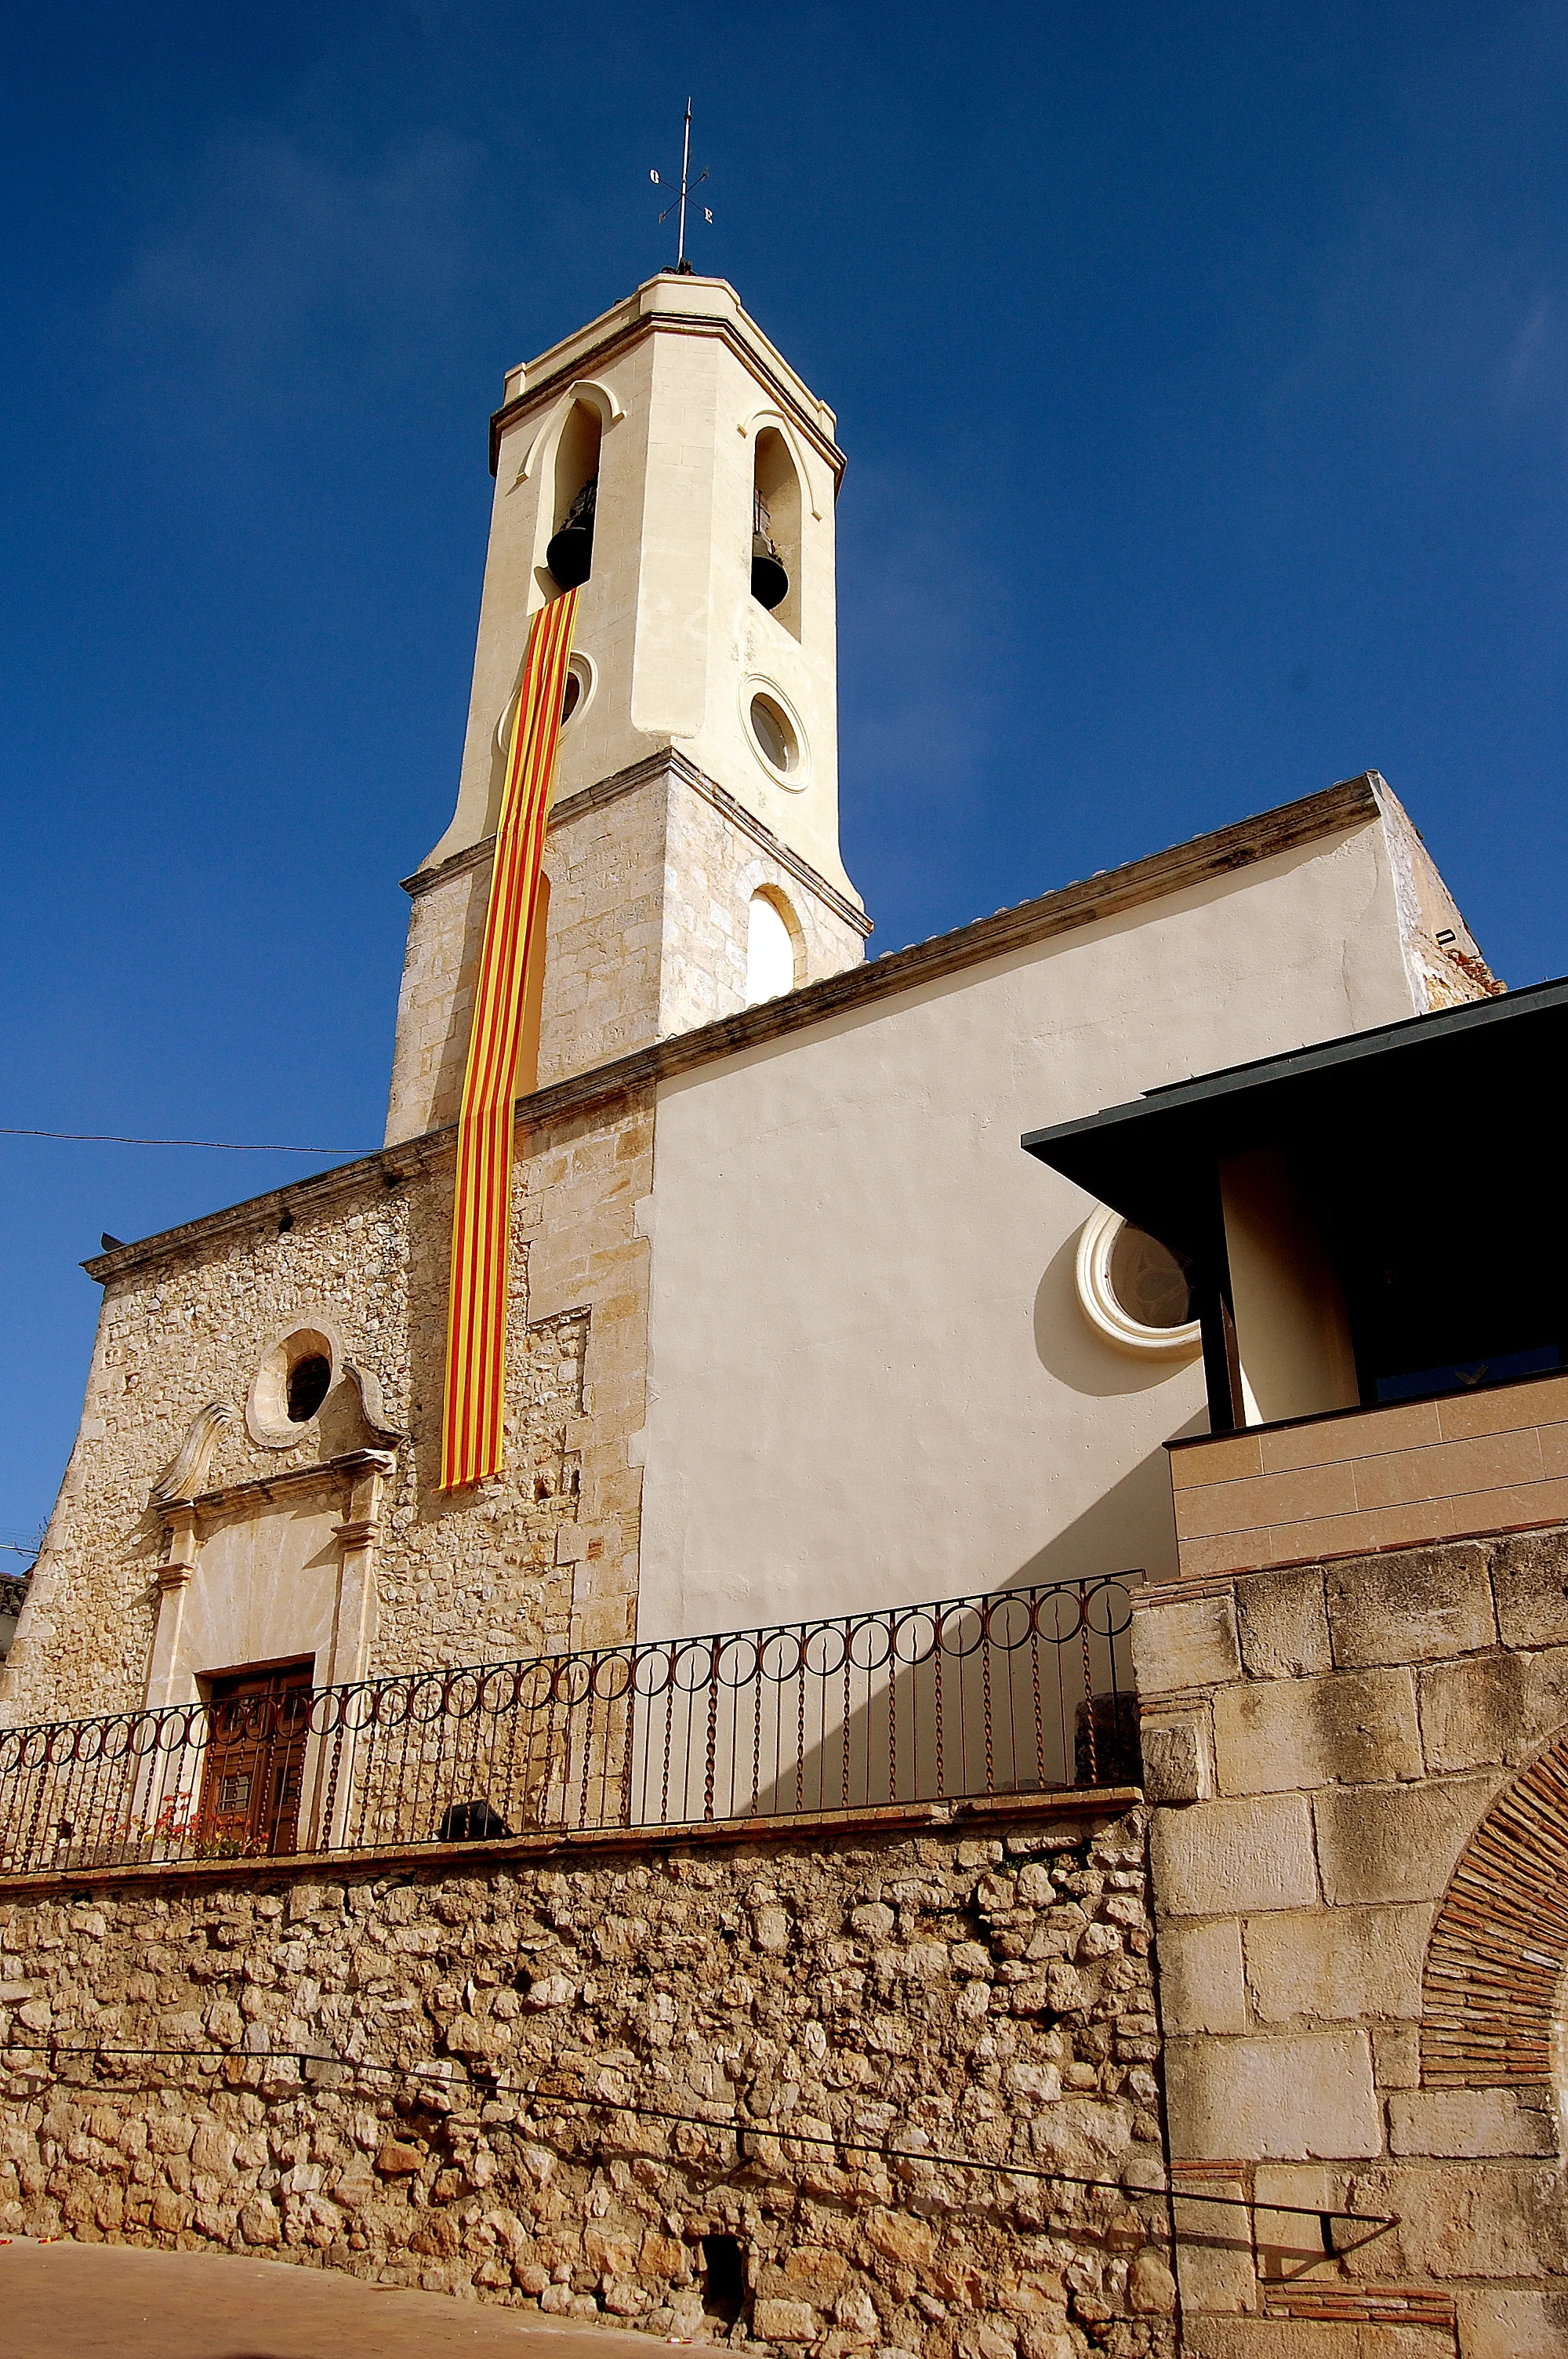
x=974, y=1988
x=541, y=1558
x=650, y=877
x=1349, y=1756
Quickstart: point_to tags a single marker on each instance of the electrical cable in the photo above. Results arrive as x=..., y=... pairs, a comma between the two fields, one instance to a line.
x=1379, y=2223
x=228, y=1146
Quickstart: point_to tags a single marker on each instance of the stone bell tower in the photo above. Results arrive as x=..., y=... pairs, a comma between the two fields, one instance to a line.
x=670, y=461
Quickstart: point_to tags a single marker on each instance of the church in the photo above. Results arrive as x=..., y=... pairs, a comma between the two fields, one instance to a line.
x=875, y=1732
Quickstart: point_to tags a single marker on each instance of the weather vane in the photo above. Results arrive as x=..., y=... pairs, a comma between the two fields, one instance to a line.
x=686, y=185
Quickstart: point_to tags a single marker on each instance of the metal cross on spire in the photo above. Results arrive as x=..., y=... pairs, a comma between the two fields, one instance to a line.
x=677, y=204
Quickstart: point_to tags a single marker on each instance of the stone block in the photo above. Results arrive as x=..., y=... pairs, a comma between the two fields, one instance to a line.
x=1191, y=1643
x=1219, y=1858
x=1415, y=1606
x=1510, y=2323
x=1201, y=1984
x=1472, y=1711
x=784, y=2321
x=1282, y=1625
x=1339, y=1964
x=1398, y=1842
x=1464, y=2125
x=1298, y=2098
x=1351, y=1727
x=1506, y=2221
x=1529, y=1580
x=1214, y=2251
x=1177, y=1758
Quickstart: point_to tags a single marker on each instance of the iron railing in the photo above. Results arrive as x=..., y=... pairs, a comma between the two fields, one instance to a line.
x=1024, y=1691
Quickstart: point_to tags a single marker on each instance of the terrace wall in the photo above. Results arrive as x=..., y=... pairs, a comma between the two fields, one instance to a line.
x=975, y=1984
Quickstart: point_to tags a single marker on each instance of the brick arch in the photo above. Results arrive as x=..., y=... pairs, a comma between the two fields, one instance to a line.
x=1495, y=1964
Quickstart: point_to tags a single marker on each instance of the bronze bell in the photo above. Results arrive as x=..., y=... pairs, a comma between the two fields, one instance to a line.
x=571, y=553
x=770, y=582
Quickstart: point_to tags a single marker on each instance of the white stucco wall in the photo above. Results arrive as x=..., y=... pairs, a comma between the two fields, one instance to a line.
x=871, y=1379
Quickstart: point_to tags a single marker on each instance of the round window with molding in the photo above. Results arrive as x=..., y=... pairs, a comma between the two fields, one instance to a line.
x=296, y=1375
x=1134, y=1291
x=582, y=678
x=776, y=736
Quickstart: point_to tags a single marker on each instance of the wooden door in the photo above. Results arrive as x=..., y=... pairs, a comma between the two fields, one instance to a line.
x=258, y=1721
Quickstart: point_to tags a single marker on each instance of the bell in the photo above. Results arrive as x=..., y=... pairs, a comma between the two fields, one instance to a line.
x=770, y=582
x=571, y=553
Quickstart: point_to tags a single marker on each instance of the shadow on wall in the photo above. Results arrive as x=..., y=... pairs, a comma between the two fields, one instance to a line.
x=1068, y=1349
x=1132, y=1528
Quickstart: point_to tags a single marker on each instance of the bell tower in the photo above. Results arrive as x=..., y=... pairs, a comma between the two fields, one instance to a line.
x=670, y=461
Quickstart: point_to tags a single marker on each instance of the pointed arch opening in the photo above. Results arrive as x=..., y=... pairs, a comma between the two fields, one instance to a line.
x=776, y=529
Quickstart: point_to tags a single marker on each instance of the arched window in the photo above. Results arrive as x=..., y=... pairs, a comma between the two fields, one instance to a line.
x=770, y=949
x=571, y=553
x=776, y=529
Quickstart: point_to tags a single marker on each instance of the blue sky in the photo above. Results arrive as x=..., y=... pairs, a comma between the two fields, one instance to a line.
x=1204, y=373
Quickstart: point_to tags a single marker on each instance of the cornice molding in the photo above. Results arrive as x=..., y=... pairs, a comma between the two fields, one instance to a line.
x=667, y=762
x=1338, y=810
x=665, y=323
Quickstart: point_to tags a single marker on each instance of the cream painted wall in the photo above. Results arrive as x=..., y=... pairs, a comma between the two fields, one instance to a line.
x=871, y=1379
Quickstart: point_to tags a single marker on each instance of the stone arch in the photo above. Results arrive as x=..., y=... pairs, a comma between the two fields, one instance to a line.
x=1492, y=1989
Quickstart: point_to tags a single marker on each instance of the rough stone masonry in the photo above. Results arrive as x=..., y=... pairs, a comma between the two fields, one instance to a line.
x=976, y=1989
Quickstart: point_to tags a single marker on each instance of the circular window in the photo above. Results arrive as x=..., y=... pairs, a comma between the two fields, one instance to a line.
x=775, y=734
x=1133, y=1290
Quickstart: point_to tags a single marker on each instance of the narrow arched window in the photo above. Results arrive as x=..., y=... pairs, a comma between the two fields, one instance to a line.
x=571, y=553
x=776, y=529
x=771, y=962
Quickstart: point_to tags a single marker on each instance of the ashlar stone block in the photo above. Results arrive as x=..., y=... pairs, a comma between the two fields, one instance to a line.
x=1338, y=1964
x=1417, y=1606
x=1201, y=1977
x=1191, y=1643
x=1282, y=1622
x=1395, y=1842
x=1352, y=1727
x=1295, y=2098
x=1472, y=1711
x=1217, y=1859
x=1529, y=1580
x=1467, y=2124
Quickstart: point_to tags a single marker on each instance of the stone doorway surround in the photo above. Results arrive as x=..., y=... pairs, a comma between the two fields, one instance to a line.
x=261, y=1571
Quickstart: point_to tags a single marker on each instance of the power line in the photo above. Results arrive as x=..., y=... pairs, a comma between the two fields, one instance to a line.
x=229, y=1145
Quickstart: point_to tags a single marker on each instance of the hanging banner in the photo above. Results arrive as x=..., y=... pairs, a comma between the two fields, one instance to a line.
x=473, y=1439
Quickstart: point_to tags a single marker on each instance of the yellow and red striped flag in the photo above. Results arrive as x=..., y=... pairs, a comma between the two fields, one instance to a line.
x=472, y=1437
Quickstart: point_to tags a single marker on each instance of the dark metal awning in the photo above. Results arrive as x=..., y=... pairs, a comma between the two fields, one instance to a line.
x=1469, y=1083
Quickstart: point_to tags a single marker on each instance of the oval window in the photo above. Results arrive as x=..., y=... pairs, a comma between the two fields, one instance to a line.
x=774, y=734
x=309, y=1382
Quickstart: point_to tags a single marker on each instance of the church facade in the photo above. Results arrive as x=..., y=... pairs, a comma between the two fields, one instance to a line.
x=796, y=1334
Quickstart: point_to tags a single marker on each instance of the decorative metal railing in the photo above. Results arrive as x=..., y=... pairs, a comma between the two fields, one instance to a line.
x=1024, y=1691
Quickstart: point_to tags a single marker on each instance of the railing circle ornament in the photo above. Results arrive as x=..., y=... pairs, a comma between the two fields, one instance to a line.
x=870, y=1643
x=611, y=1678
x=737, y=1662
x=428, y=1701
x=652, y=1671
x=691, y=1667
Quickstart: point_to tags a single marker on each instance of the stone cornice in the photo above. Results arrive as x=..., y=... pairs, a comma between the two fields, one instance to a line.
x=1337, y=811
x=486, y=1854
x=668, y=761
x=665, y=323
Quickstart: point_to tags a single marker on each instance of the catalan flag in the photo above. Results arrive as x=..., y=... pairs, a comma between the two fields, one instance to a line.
x=472, y=1441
